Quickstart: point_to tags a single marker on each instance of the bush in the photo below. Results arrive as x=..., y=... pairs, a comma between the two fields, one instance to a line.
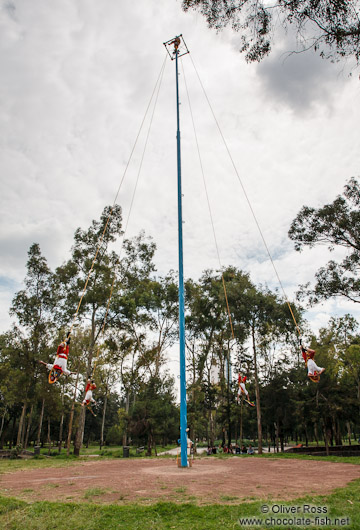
x=114, y=436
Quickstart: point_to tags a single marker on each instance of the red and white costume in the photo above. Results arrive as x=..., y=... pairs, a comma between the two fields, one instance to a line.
x=88, y=393
x=242, y=389
x=61, y=358
x=313, y=368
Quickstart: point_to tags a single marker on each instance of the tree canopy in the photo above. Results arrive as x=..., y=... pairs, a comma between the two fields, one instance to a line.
x=330, y=27
x=334, y=225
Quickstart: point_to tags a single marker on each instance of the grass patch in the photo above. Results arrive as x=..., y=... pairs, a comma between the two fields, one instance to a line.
x=343, y=459
x=227, y=498
x=290, y=456
x=94, y=492
x=182, y=489
x=19, y=515
x=9, y=466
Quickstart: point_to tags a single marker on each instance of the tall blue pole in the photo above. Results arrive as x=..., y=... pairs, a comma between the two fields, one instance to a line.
x=183, y=411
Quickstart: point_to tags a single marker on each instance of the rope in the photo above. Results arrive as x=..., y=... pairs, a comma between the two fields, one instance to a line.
x=208, y=203
x=116, y=196
x=158, y=84
x=246, y=197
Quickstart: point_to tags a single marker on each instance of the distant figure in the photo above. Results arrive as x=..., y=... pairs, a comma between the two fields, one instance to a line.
x=88, y=393
x=243, y=450
x=237, y=449
x=176, y=43
x=61, y=358
x=242, y=391
x=250, y=450
x=314, y=371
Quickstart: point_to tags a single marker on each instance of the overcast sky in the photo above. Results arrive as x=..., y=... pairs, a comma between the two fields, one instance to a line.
x=76, y=78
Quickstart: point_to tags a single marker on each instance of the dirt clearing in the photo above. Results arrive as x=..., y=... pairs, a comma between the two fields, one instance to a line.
x=210, y=480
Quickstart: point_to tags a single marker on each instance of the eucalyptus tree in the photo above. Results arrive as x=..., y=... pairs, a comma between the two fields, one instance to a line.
x=211, y=343
x=89, y=273
x=266, y=318
x=144, y=310
x=329, y=27
x=335, y=225
x=32, y=336
x=155, y=414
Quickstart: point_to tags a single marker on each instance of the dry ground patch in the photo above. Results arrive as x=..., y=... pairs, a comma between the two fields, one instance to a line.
x=210, y=480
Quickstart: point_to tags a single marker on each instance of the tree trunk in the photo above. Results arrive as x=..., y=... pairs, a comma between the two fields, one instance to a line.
x=72, y=416
x=326, y=439
x=127, y=406
x=257, y=393
x=103, y=422
x=79, y=437
x=228, y=408
x=276, y=427
x=212, y=429
x=153, y=441
x=2, y=422
x=241, y=422
x=316, y=434
x=12, y=433
x=306, y=435
x=223, y=437
x=349, y=431
x=281, y=435
x=148, y=452
x=338, y=439
x=48, y=436
x=40, y=422
x=28, y=427
x=21, y=424
x=61, y=431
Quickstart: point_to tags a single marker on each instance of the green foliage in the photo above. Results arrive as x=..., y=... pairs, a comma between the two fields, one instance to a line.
x=114, y=435
x=334, y=225
x=154, y=413
x=331, y=28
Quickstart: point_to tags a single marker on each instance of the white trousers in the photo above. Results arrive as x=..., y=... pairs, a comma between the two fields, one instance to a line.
x=312, y=367
x=60, y=361
x=242, y=390
x=88, y=397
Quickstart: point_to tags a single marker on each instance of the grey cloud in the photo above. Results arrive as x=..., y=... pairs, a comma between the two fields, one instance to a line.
x=10, y=9
x=298, y=80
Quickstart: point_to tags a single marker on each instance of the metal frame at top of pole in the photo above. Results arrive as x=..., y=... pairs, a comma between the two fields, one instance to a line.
x=179, y=50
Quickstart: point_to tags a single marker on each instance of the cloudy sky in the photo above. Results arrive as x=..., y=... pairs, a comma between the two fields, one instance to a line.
x=76, y=79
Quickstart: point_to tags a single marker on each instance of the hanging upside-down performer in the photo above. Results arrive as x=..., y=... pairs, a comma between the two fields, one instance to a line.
x=242, y=390
x=60, y=363
x=88, y=393
x=314, y=371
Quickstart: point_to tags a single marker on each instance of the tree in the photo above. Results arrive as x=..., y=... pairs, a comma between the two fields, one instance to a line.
x=335, y=225
x=33, y=307
x=155, y=413
x=331, y=27
x=72, y=277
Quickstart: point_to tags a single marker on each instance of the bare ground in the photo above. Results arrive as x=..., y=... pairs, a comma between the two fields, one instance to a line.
x=209, y=480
